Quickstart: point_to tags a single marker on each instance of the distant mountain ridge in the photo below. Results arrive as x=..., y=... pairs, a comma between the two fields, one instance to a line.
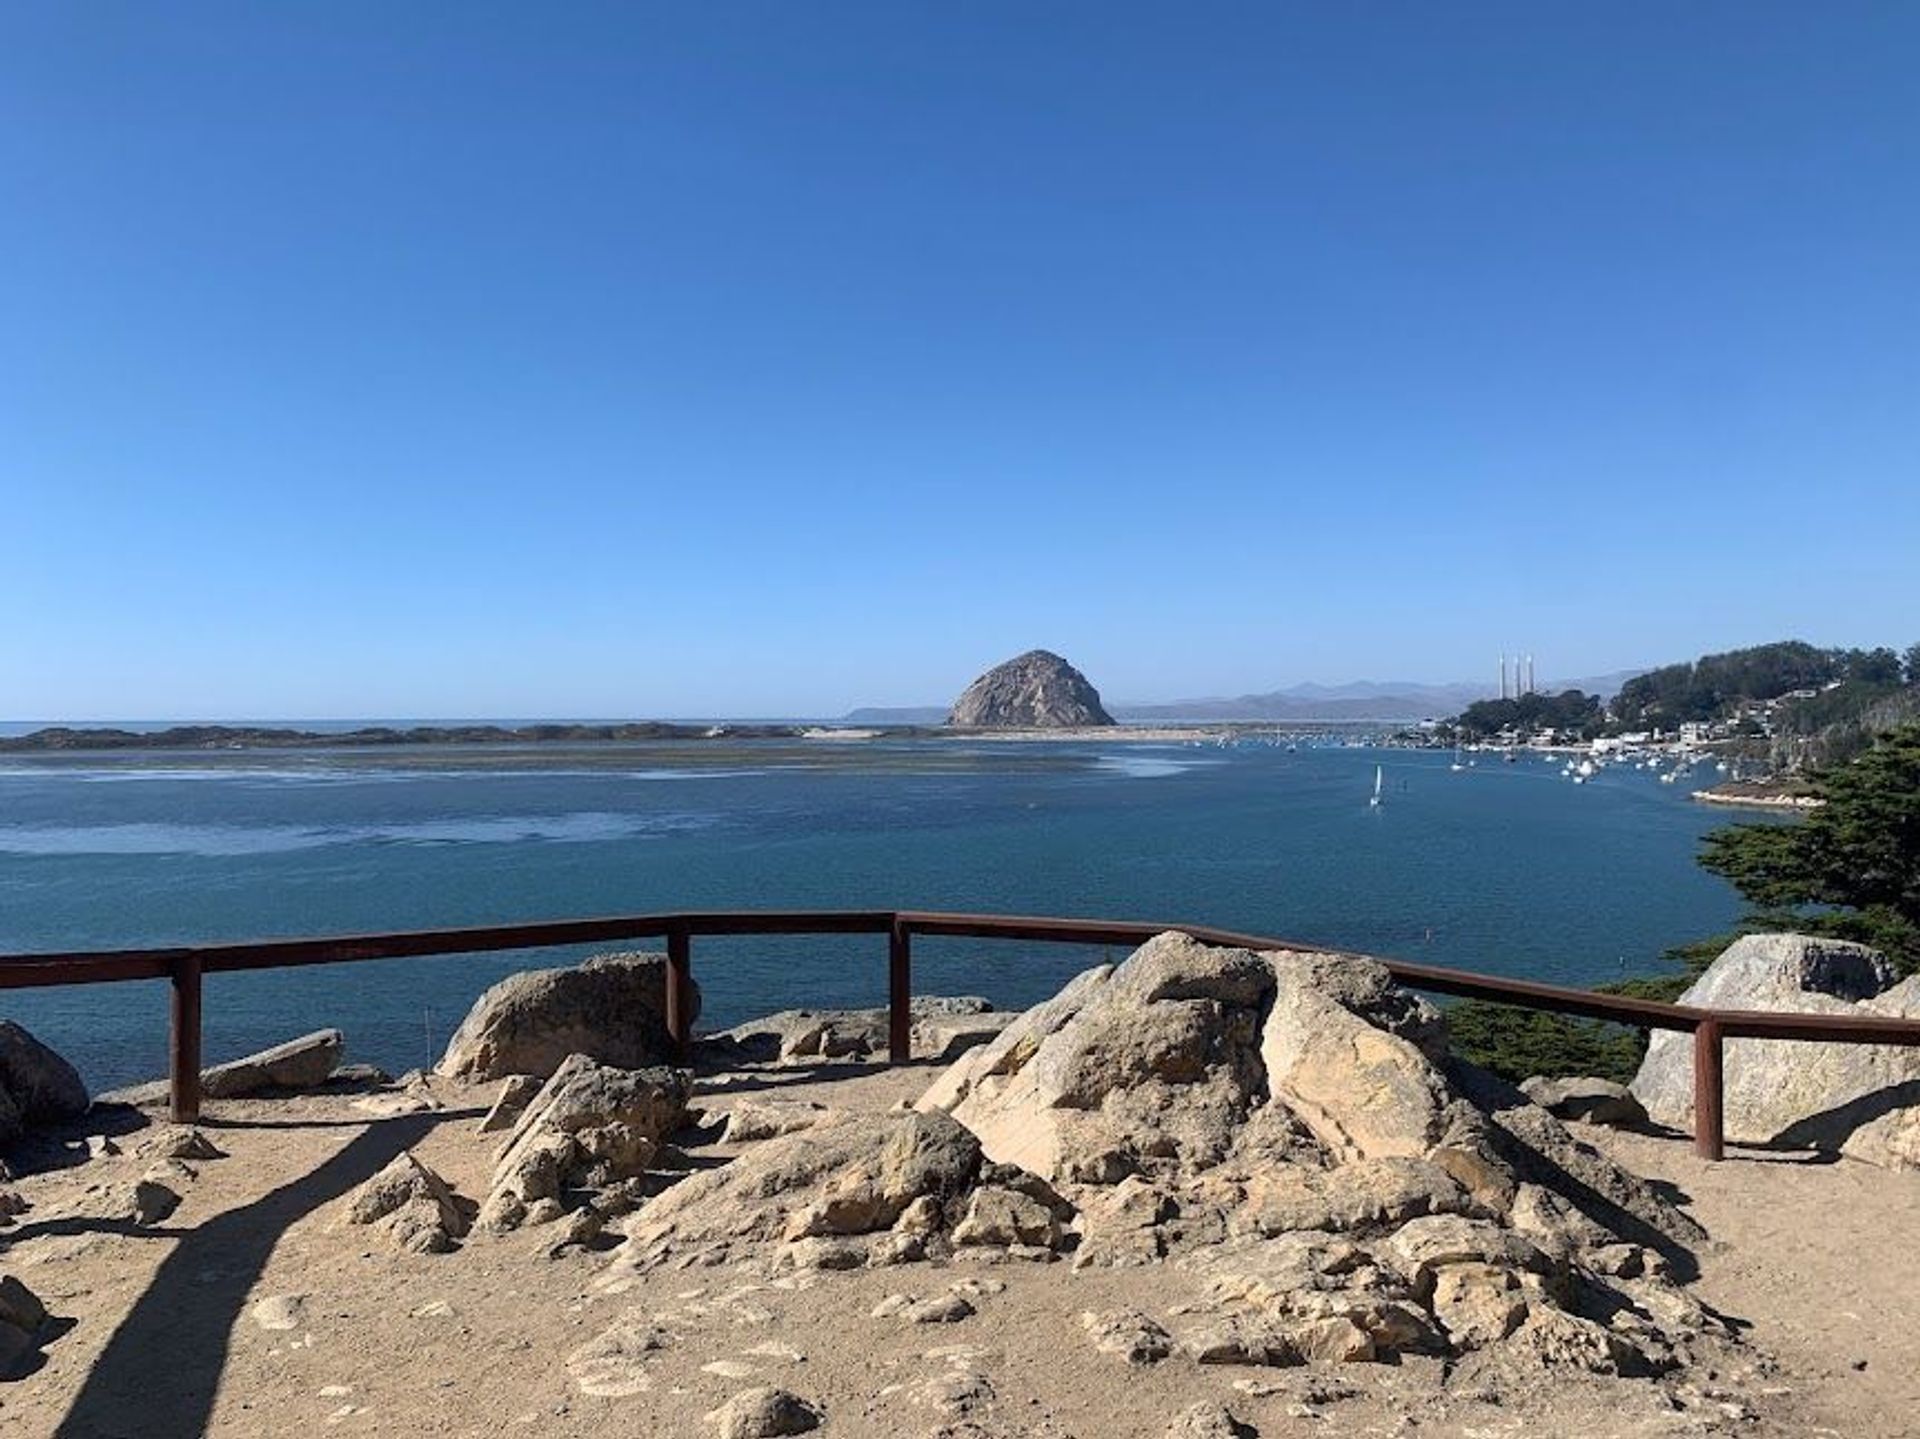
x=1396, y=701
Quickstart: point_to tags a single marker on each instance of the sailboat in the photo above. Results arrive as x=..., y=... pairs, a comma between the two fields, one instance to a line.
x=1379, y=776
x=1459, y=760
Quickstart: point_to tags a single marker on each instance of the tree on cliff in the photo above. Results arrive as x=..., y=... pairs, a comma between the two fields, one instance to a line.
x=1852, y=867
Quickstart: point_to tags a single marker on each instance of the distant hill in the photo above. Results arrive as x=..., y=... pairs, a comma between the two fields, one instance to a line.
x=1392, y=701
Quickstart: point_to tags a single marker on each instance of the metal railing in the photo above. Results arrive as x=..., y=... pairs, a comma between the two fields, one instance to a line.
x=185, y=967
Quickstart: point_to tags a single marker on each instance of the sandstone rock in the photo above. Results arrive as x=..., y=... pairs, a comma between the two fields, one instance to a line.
x=589, y=1127
x=1036, y=690
x=1593, y=1101
x=1129, y=1334
x=611, y=1009
x=1289, y=1126
x=303, y=1063
x=751, y=1120
x=22, y=1317
x=177, y=1142
x=37, y=1086
x=516, y=1093
x=938, y=1309
x=960, y=1392
x=413, y=1204
x=280, y=1311
x=856, y=1177
x=762, y=1412
x=1003, y=1216
x=1798, y=1095
x=613, y=1364
x=1208, y=1420
x=944, y=1027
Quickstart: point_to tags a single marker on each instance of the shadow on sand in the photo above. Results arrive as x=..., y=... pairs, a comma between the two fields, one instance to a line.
x=157, y=1375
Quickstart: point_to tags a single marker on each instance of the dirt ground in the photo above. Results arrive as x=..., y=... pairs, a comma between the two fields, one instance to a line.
x=1817, y=1262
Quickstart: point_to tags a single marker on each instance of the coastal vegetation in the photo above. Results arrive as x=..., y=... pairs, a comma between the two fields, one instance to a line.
x=1572, y=714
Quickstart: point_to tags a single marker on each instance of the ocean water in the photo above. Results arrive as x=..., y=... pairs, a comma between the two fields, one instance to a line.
x=1504, y=868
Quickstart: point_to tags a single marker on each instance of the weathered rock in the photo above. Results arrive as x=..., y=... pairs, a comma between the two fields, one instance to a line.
x=280, y=1311
x=516, y=1093
x=611, y=1009
x=944, y=1027
x=751, y=1120
x=763, y=1412
x=37, y=1086
x=1289, y=1126
x=1800, y=1095
x=856, y=1177
x=22, y=1317
x=1004, y=1216
x=1208, y=1420
x=177, y=1142
x=590, y=1127
x=1135, y=1337
x=1036, y=690
x=413, y=1204
x=1593, y=1101
x=613, y=1364
x=303, y=1063
x=956, y=1393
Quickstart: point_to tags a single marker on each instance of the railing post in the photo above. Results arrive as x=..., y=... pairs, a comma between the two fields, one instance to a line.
x=1709, y=1122
x=899, y=993
x=680, y=991
x=183, y=1059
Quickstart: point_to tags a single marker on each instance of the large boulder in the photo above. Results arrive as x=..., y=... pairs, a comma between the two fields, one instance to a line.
x=1289, y=1126
x=1036, y=690
x=37, y=1086
x=1790, y=1092
x=588, y=1135
x=612, y=1008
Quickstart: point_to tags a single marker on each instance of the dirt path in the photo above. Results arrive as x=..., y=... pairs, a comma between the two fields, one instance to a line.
x=1822, y=1259
x=161, y=1337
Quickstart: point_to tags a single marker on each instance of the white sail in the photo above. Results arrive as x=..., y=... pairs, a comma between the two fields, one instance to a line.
x=1379, y=776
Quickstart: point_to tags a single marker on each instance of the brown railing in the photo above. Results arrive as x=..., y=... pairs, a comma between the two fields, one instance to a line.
x=185, y=966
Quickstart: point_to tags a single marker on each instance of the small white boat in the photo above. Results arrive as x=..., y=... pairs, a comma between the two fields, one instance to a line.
x=1379, y=778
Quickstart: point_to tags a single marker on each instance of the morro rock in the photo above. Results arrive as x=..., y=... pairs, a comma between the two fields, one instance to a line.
x=1036, y=690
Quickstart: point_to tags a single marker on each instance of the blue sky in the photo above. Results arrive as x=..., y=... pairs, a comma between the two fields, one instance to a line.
x=457, y=359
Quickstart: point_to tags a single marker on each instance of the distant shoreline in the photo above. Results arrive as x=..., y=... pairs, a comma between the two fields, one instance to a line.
x=1756, y=794
x=65, y=739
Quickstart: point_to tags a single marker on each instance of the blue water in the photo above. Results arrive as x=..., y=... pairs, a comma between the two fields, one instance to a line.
x=1505, y=868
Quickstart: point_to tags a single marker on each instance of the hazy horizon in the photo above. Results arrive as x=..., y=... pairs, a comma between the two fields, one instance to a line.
x=637, y=361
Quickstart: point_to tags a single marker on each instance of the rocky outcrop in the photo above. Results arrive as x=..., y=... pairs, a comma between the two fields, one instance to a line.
x=944, y=1027
x=864, y=1190
x=37, y=1086
x=1036, y=690
x=1860, y=1099
x=612, y=1009
x=584, y=1143
x=1288, y=1126
x=412, y=1205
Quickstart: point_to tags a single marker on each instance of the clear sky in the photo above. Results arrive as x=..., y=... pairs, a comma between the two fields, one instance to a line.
x=463, y=358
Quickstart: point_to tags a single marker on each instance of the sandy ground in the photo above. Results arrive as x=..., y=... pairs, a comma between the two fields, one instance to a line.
x=160, y=1340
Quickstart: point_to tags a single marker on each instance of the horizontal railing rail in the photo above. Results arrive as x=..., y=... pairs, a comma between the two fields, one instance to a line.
x=185, y=967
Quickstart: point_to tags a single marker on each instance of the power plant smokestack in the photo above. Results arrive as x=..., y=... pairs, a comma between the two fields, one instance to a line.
x=1503, y=676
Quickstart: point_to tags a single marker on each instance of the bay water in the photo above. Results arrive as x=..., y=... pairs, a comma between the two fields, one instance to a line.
x=1504, y=868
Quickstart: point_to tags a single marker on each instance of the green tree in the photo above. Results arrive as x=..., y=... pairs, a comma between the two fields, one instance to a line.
x=1913, y=664
x=1851, y=868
